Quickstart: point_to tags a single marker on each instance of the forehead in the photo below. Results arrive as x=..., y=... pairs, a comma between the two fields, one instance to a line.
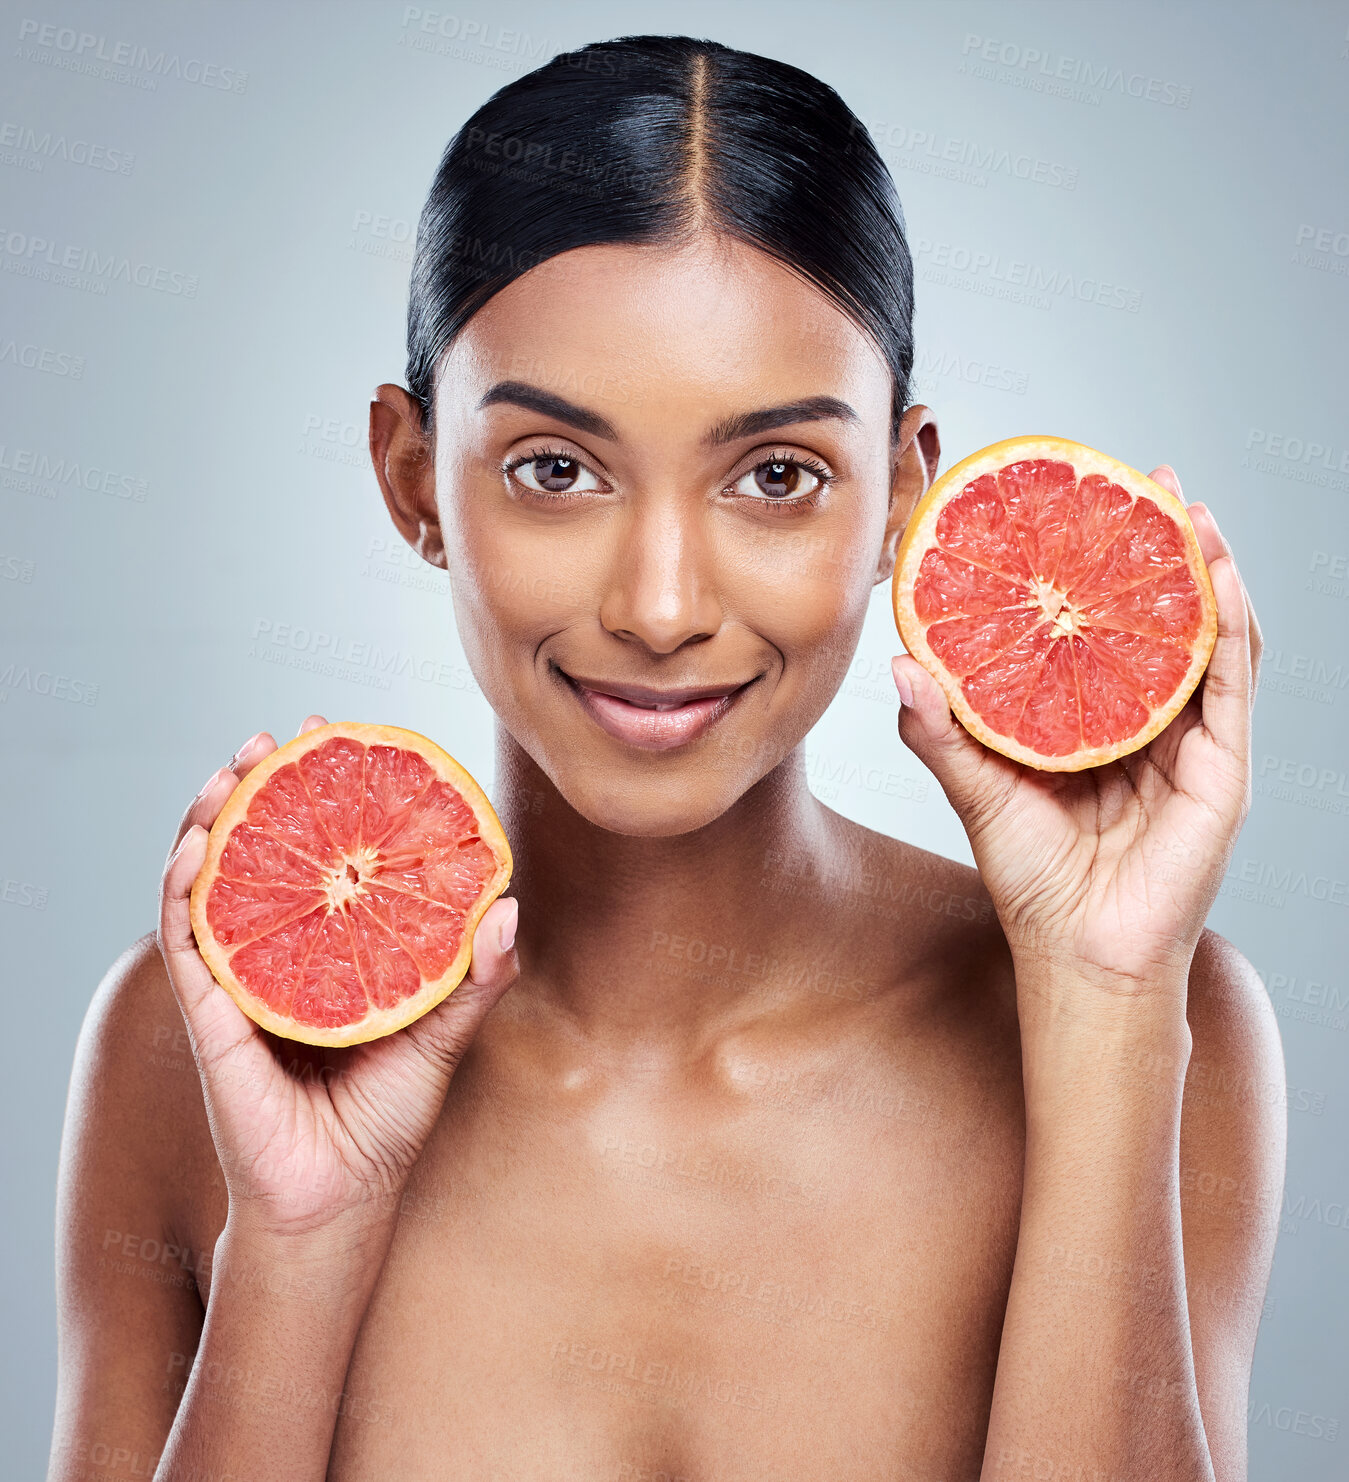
x=714, y=322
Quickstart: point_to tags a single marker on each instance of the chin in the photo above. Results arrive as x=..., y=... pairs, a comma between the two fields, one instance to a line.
x=642, y=809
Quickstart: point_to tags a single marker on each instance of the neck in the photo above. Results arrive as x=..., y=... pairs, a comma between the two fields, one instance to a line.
x=661, y=935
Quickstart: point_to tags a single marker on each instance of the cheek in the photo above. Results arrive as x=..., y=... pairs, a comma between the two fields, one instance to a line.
x=806, y=590
x=513, y=583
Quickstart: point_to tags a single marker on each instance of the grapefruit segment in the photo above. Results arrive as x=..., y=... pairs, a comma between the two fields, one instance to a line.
x=964, y=643
x=1039, y=496
x=251, y=854
x=239, y=910
x=333, y=778
x=286, y=813
x=1060, y=599
x=979, y=528
x=949, y=586
x=343, y=881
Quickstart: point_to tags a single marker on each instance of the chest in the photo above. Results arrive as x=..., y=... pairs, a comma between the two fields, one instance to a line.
x=804, y=1280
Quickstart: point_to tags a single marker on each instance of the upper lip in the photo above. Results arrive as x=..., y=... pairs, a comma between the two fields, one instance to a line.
x=643, y=694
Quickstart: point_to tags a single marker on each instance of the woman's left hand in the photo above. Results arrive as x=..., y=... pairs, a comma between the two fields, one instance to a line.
x=1109, y=873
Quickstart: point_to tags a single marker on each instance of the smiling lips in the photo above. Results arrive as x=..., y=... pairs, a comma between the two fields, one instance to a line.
x=657, y=720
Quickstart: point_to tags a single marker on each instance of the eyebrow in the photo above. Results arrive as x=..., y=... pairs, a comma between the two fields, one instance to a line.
x=729, y=430
x=536, y=399
x=750, y=424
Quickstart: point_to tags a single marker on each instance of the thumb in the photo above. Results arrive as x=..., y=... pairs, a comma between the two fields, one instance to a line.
x=975, y=780
x=447, y=1031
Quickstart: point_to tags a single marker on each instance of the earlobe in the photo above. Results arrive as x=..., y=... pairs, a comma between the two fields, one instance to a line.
x=913, y=468
x=405, y=467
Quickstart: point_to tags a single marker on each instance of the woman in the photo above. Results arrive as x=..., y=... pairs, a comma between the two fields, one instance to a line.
x=892, y=1193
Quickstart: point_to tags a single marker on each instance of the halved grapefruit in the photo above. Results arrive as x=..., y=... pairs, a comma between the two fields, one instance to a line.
x=1059, y=598
x=343, y=881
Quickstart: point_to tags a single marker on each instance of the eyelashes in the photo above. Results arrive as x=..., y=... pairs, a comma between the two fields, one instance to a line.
x=567, y=474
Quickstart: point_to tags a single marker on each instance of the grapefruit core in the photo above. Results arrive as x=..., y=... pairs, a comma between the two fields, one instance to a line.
x=343, y=881
x=1059, y=598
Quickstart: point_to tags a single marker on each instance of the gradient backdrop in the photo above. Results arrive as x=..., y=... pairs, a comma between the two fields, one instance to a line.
x=1130, y=225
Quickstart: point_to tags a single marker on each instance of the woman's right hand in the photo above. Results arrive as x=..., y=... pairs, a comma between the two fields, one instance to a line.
x=311, y=1138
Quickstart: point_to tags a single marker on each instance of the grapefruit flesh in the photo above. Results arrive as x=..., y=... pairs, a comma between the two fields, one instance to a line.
x=343, y=881
x=1059, y=598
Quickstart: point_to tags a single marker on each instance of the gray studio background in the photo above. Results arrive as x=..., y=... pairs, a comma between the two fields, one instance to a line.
x=1131, y=227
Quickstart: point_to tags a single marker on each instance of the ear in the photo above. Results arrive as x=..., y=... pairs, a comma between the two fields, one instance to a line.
x=917, y=453
x=406, y=470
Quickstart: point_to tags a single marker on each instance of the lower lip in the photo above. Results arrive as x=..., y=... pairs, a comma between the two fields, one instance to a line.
x=654, y=730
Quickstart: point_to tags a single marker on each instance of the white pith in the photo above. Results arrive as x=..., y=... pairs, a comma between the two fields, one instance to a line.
x=1054, y=604
x=339, y=887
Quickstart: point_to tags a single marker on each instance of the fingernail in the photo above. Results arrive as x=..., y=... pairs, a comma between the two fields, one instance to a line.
x=244, y=747
x=902, y=685
x=507, y=932
x=211, y=781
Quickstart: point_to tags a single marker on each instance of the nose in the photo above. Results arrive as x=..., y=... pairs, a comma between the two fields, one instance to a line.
x=661, y=587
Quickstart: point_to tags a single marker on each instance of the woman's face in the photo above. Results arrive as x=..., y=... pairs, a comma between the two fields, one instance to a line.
x=663, y=487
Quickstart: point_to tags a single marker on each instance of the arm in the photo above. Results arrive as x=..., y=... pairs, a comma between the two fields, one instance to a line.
x=130, y=1318
x=266, y=1385
x=1109, y=1369
x=306, y=1172
x=120, y=1317
x=1147, y=1231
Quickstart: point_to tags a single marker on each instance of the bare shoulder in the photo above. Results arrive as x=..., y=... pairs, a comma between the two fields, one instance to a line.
x=897, y=876
x=134, y=1164
x=927, y=924
x=135, y=1119
x=1234, y=1113
x=1228, y=1001
x=940, y=905
x=1232, y=1146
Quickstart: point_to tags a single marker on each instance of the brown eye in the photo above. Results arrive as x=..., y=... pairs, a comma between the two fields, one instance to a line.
x=779, y=479
x=555, y=474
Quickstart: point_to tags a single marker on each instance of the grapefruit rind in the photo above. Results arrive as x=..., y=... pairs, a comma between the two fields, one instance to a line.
x=376, y=1022
x=920, y=536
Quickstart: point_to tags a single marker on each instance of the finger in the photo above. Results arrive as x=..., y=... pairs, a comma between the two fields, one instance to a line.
x=218, y=1027
x=1225, y=701
x=1165, y=475
x=206, y=806
x=494, y=956
x=448, y=1030
x=310, y=723
x=1257, y=642
x=1213, y=545
x=974, y=779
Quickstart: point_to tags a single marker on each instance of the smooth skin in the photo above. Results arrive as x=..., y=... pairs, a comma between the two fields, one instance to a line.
x=792, y=1151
